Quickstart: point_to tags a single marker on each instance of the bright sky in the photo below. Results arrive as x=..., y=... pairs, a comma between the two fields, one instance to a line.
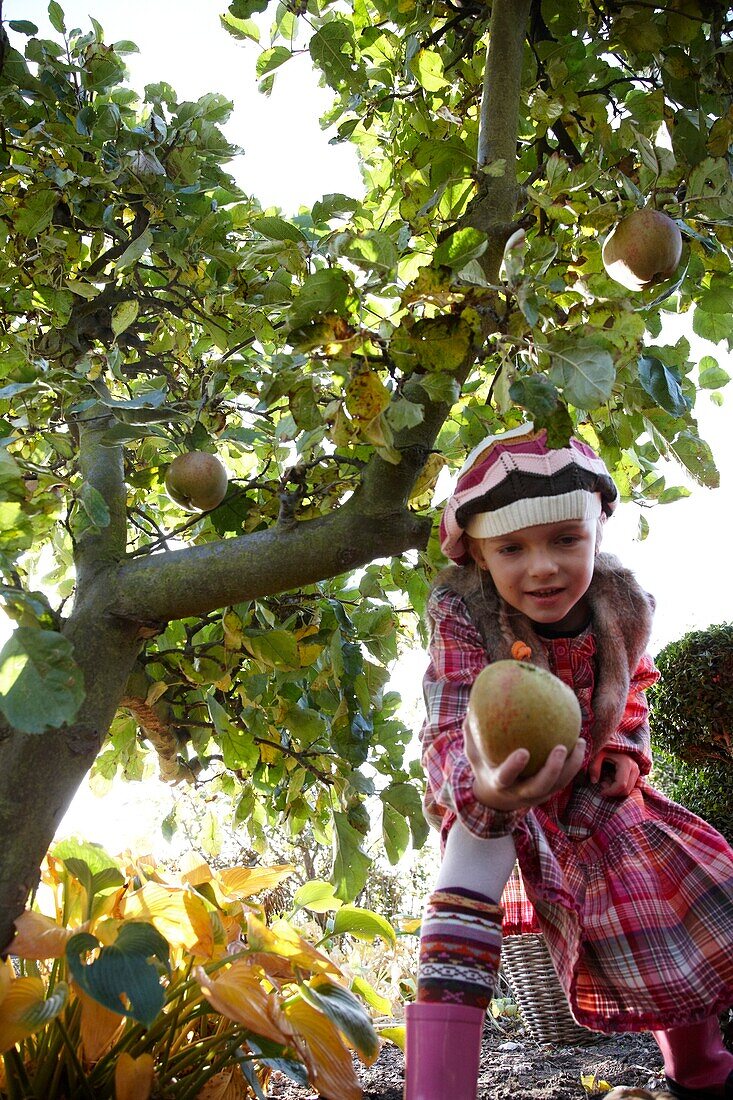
x=288, y=162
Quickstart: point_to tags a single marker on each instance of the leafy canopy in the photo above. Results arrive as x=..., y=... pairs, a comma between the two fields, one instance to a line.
x=142, y=292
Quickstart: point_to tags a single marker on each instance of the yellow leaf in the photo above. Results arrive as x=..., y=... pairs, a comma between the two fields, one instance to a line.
x=239, y=995
x=227, y=1085
x=134, y=1077
x=366, y=396
x=593, y=1084
x=157, y=690
x=233, y=630
x=179, y=915
x=195, y=870
x=411, y=926
x=328, y=1060
x=282, y=939
x=428, y=476
x=99, y=1027
x=243, y=882
x=22, y=996
x=395, y=1035
x=38, y=937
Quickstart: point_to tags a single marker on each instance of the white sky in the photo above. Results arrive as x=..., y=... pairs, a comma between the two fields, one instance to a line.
x=288, y=162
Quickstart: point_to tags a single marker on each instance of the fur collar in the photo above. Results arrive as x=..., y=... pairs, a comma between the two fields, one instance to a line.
x=621, y=617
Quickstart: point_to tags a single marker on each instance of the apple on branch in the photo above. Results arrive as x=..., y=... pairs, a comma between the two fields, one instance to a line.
x=642, y=249
x=197, y=481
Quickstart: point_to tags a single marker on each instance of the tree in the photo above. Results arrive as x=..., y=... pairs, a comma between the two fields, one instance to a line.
x=334, y=361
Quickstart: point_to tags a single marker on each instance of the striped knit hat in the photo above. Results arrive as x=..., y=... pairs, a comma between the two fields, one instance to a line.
x=515, y=480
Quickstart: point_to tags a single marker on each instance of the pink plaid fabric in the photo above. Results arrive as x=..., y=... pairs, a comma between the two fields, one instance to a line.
x=634, y=895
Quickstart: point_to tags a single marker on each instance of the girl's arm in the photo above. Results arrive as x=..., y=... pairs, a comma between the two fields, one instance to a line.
x=457, y=655
x=629, y=750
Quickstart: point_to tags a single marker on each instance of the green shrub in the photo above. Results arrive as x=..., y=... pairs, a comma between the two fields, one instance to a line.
x=703, y=789
x=692, y=704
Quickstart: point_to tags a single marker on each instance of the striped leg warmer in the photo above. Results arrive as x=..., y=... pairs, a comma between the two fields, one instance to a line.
x=460, y=943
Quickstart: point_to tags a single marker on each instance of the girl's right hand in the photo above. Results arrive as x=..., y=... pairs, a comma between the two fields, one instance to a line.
x=500, y=788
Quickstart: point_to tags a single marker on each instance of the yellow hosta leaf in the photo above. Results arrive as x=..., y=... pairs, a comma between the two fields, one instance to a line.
x=134, y=1077
x=395, y=1035
x=282, y=939
x=195, y=870
x=243, y=882
x=179, y=915
x=328, y=1059
x=366, y=396
x=17, y=1018
x=227, y=1085
x=39, y=937
x=239, y=995
x=99, y=1027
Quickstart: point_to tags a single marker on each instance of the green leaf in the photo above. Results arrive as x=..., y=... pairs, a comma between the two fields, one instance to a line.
x=324, y=291
x=345, y=1011
x=696, y=456
x=94, y=507
x=275, y=648
x=405, y=798
x=585, y=373
x=272, y=59
x=460, y=247
x=328, y=49
x=536, y=393
x=56, y=17
x=331, y=205
x=237, y=743
x=350, y=864
x=427, y=67
x=41, y=686
x=363, y=924
x=317, y=896
x=395, y=833
x=92, y=855
x=23, y=26
x=663, y=384
x=123, y=977
x=277, y=229
x=135, y=250
x=35, y=213
x=711, y=376
x=124, y=314
x=12, y=484
x=403, y=413
x=719, y=297
x=712, y=326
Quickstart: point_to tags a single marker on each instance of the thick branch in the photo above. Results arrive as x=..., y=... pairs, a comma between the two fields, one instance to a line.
x=193, y=581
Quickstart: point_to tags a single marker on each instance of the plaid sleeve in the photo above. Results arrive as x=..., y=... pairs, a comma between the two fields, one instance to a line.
x=632, y=735
x=457, y=655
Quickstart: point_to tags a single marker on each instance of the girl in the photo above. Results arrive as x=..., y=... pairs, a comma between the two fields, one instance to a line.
x=633, y=893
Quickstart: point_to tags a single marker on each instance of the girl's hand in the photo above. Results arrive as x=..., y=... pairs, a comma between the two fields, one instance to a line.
x=500, y=787
x=625, y=775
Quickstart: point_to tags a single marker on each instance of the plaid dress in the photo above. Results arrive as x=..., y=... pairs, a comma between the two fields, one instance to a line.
x=633, y=895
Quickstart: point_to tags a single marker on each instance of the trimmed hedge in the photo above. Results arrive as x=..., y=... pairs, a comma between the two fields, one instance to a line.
x=692, y=704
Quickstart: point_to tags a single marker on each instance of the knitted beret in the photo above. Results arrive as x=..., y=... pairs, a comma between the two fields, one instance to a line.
x=515, y=480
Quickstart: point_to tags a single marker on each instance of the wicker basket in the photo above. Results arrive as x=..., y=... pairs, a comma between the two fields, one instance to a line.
x=541, y=1000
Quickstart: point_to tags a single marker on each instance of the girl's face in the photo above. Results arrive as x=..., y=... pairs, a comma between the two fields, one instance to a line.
x=543, y=571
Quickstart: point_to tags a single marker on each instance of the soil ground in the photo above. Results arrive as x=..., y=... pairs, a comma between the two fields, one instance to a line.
x=514, y=1067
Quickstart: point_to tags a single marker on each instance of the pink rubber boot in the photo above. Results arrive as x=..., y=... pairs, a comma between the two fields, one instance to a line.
x=443, y=1049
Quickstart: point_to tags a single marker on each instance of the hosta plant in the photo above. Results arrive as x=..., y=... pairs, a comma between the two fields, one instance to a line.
x=125, y=982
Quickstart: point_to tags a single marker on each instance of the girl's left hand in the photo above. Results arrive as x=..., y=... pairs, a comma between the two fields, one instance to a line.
x=625, y=777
